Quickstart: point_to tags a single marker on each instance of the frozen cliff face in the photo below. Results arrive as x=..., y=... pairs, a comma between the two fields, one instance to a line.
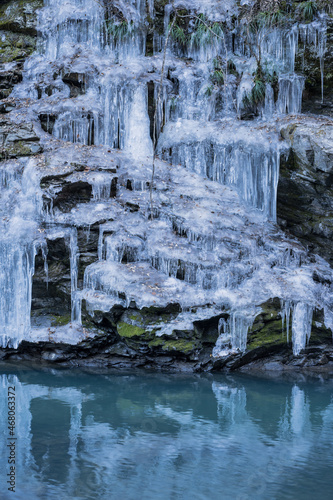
x=230, y=155
x=203, y=244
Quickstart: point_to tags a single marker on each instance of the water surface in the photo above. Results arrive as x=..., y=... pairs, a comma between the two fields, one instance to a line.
x=85, y=435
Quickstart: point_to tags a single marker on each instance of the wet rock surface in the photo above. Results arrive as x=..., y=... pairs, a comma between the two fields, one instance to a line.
x=18, y=140
x=18, y=36
x=305, y=184
x=318, y=94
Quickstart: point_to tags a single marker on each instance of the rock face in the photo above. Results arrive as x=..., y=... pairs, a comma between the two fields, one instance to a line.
x=18, y=140
x=318, y=72
x=104, y=261
x=305, y=191
x=18, y=36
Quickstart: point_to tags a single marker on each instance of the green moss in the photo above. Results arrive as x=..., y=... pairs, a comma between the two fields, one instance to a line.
x=61, y=320
x=129, y=331
x=16, y=18
x=271, y=334
x=14, y=150
x=14, y=47
x=205, y=32
x=267, y=327
x=182, y=345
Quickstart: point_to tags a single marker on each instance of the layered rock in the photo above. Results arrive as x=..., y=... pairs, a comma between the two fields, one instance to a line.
x=18, y=37
x=305, y=185
x=18, y=140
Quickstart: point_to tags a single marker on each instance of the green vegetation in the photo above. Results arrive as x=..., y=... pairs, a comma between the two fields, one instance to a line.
x=217, y=77
x=205, y=32
x=15, y=149
x=267, y=328
x=257, y=95
x=286, y=12
x=129, y=331
x=20, y=16
x=232, y=68
x=182, y=345
x=269, y=19
x=16, y=47
x=61, y=320
x=258, y=92
x=308, y=10
x=173, y=103
x=178, y=34
x=209, y=90
x=118, y=31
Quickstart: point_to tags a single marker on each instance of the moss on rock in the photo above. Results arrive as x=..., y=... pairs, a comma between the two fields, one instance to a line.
x=61, y=320
x=267, y=328
x=19, y=16
x=129, y=331
x=182, y=346
x=15, y=46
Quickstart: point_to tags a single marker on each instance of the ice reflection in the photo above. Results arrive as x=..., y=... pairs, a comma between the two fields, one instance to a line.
x=100, y=436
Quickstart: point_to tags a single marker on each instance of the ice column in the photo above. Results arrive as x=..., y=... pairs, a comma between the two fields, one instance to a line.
x=138, y=141
x=74, y=257
x=301, y=326
x=16, y=271
x=233, y=333
x=67, y=23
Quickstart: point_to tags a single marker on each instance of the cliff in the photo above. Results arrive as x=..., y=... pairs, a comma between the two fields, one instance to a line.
x=222, y=258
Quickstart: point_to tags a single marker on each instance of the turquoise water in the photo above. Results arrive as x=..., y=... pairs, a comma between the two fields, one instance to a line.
x=84, y=435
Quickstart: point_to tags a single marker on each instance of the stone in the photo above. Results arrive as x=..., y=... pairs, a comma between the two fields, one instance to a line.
x=305, y=189
x=18, y=140
x=20, y=16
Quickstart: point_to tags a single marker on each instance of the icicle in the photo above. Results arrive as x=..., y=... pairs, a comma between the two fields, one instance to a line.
x=315, y=33
x=269, y=105
x=16, y=272
x=328, y=319
x=321, y=54
x=87, y=231
x=151, y=8
x=101, y=186
x=100, y=242
x=290, y=94
x=74, y=257
x=46, y=267
x=233, y=333
x=252, y=169
x=286, y=310
x=116, y=99
x=76, y=307
x=301, y=326
x=138, y=141
x=70, y=23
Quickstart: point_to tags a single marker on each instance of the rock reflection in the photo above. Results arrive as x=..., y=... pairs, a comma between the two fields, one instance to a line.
x=84, y=435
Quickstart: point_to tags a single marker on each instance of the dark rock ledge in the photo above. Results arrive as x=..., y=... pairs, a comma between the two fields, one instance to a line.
x=123, y=340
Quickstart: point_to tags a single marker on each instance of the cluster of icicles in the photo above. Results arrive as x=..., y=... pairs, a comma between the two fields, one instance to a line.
x=116, y=114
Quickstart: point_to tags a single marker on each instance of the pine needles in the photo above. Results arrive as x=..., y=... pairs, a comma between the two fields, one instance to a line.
x=204, y=32
x=118, y=31
x=308, y=10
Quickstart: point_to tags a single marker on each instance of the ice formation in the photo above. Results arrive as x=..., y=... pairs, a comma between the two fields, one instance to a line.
x=212, y=239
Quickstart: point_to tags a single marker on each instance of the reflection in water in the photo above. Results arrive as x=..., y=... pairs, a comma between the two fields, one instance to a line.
x=105, y=436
